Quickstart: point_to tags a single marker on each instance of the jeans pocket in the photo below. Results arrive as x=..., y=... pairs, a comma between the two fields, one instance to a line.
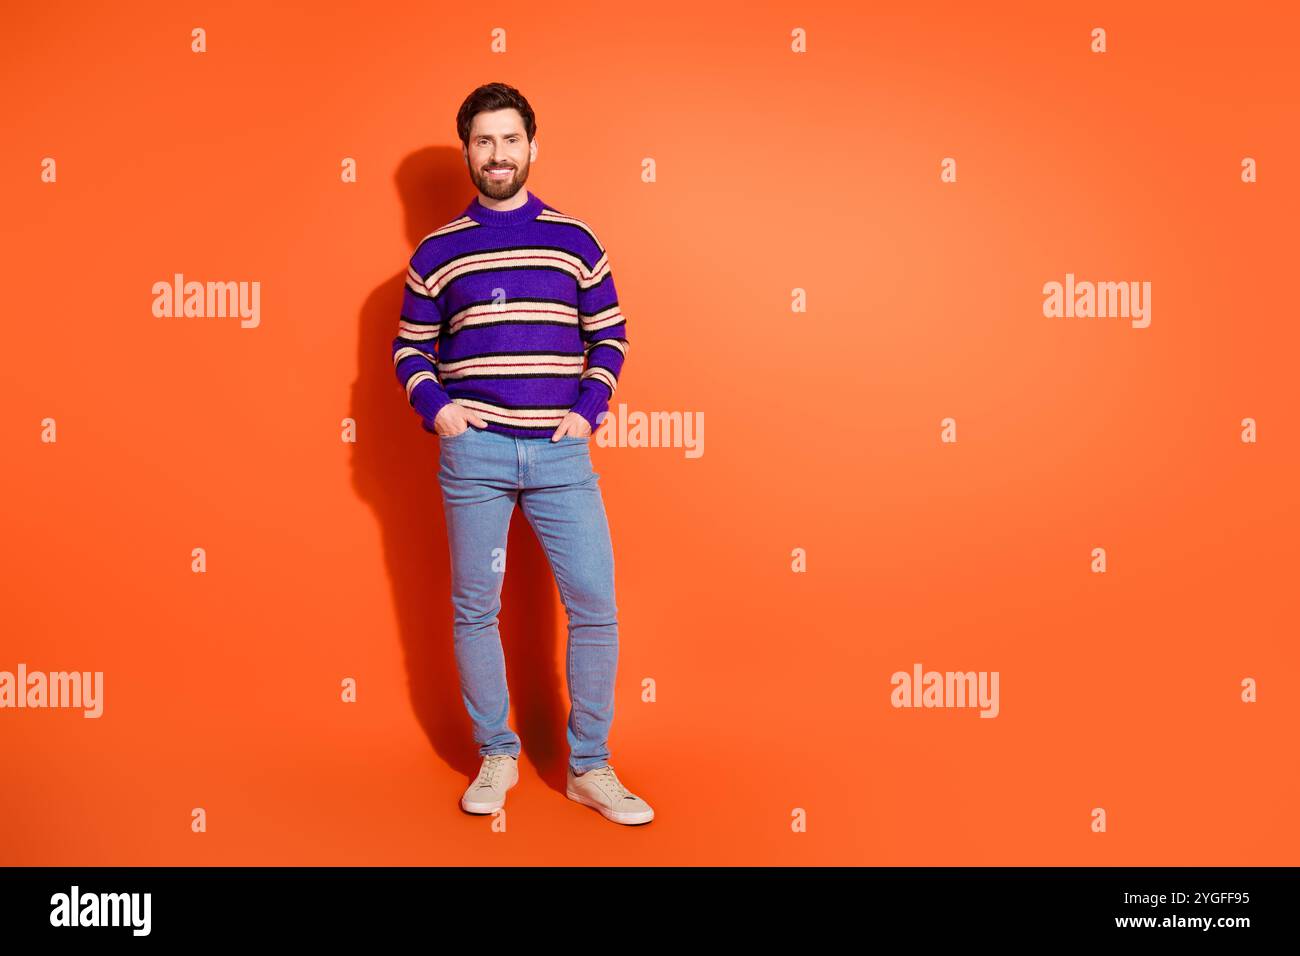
x=458, y=435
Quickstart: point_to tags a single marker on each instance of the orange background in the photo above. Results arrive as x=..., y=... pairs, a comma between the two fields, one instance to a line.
x=776, y=171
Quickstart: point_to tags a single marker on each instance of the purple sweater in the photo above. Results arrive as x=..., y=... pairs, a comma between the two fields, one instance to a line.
x=513, y=315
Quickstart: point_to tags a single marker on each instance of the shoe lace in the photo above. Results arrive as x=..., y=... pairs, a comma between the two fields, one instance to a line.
x=606, y=776
x=487, y=775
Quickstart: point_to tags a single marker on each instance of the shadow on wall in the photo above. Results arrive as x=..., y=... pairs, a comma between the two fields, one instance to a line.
x=395, y=471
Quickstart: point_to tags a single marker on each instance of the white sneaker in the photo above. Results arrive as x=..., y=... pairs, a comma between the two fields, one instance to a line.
x=601, y=790
x=498, y=774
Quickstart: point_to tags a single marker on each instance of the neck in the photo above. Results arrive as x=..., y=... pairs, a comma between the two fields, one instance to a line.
x=503, y=205
x=520, y=208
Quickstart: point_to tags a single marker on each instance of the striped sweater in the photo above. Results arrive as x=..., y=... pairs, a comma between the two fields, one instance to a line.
x=514, y=315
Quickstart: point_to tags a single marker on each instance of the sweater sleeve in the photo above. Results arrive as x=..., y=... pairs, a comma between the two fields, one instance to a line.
x=415, y=349
x=604, y=338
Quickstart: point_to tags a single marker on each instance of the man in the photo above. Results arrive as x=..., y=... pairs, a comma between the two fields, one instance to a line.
x=510, y=346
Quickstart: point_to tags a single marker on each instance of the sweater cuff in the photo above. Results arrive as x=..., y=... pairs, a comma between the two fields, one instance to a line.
x=592, y=403
x=428, y=398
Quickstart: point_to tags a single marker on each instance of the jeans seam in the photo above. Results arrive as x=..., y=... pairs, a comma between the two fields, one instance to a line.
x=568, y=653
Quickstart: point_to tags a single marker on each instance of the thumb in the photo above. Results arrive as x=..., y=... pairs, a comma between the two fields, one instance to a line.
x=477, y=419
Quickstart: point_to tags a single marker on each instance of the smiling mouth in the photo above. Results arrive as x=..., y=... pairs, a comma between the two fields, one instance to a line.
x=500, y=170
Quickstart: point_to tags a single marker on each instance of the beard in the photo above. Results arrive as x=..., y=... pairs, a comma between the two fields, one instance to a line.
x=500, y=188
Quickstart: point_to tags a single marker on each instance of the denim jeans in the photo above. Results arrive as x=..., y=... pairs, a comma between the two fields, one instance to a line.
x=482, y=474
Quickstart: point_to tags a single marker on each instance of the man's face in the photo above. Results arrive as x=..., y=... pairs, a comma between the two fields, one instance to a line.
x=498, y=141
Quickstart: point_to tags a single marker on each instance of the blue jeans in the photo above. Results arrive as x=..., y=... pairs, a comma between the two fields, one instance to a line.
x=482, y=474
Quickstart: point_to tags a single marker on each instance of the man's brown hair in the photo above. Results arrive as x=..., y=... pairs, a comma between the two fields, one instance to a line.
x=490, y=97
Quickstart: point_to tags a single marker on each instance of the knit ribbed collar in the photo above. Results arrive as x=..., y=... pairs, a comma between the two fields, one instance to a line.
x=511, y=217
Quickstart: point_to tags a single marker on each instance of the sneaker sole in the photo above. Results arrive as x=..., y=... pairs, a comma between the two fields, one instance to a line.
x=626, y=817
